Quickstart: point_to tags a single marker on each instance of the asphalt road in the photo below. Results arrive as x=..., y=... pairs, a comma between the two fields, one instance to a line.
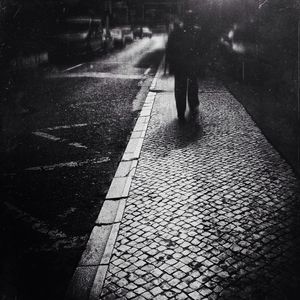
x=59, y=159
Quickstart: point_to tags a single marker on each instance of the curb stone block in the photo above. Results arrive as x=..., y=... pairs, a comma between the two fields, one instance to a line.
x=133, y=149
x=140, y=127
x=95, y=247
x=81, y=283
x=148, y=105
x=138, y=134
x=141, y=124
x=143, y=120
x=126, y=168
x=111, y=212
x=145, y=112
x=151, y=96
x=149, y=101
x=133, y=145
x=119, y=187
x=110, y=244
x=98, y=283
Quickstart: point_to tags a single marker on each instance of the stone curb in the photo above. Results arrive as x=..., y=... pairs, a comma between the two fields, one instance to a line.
x=89, y=276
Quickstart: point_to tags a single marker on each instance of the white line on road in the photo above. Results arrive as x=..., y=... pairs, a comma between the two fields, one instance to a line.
x=57, y=139
x=69, y=126
x=57, y=239
x=96, y=75
x=46, y=136
x=72, y=68
x=70, y=164
x=35, y=223
x=77, y=145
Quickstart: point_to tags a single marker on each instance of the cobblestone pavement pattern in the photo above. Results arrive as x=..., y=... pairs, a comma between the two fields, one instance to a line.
x=213, y=211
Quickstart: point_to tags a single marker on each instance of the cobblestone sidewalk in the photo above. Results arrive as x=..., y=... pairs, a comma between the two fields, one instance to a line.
x=213, y=211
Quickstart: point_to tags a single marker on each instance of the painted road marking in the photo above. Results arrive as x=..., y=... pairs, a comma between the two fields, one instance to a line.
x=70, y=164
x=72, y=68
x=36, y=224
x=46, y=136
x=69, y=126
x=77, y=145
x=96, y=75
x=41, y=133
x=58, y=239
x=57, y=139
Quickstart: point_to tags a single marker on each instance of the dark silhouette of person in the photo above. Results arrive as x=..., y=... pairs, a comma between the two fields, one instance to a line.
x=183, y=57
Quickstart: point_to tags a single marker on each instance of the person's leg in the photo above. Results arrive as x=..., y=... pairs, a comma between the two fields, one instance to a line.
x=193, y=91
x=180, y=93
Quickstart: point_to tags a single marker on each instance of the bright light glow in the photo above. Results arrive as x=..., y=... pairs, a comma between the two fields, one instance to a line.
x=230, y=34
x=239, y=48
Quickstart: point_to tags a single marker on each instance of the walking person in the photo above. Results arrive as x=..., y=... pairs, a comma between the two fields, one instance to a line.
x=183, y=56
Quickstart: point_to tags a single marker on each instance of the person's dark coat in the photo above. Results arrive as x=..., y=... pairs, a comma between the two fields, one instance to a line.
x=185, y=50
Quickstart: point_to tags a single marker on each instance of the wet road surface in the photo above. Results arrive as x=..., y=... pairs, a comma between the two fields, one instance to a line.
x=59, y=159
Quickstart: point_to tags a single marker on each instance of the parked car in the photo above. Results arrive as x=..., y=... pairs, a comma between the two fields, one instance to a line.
x=118, y=37
x=138, y=32
x=77, y=36
x=146, y=32
x=128, y=34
